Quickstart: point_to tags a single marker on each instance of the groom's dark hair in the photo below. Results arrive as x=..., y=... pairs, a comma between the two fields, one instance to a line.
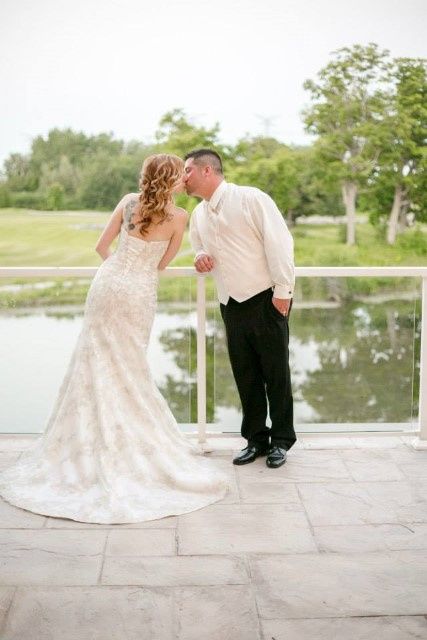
x=206, y=156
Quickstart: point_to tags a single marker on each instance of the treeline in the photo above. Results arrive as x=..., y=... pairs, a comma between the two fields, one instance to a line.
x=70, y=170
x=368, y=114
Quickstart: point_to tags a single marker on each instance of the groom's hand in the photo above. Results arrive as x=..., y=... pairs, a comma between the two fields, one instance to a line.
x=204, y=263
x=282, y=305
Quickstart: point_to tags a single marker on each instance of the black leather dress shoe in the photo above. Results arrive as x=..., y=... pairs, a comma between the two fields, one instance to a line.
x=276, y=456
x=248, y=454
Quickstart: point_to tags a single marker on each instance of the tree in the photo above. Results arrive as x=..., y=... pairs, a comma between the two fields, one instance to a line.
x=318, y=190
x=64, y=173
x=55, y=197
x=250, y=149
x=71, y=169
x=400, y=176
x=19, y=173
x=176, y=134
x=105, y=180
x=293, y=176
x=348, y=104
x=77, y=146
x=271, y=166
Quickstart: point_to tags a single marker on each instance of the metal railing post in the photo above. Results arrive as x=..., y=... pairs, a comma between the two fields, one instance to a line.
x=421, y=441
x=201, y=359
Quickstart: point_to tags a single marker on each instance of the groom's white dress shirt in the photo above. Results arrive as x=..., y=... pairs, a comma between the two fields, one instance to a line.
x=244, y=232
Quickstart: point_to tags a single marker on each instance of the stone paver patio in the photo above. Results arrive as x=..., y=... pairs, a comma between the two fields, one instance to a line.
x=332, y=545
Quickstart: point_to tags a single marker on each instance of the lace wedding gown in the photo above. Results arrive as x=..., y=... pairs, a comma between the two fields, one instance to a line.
x=112, y=451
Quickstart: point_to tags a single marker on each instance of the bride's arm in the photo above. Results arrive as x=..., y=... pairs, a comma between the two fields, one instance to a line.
x=175, y=241
x=111, y=230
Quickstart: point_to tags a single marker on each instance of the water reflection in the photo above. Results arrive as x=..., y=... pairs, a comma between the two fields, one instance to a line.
x=352, y=363
x=366, y=365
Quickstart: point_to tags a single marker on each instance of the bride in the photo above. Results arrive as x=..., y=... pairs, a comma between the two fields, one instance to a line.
x=112, y=451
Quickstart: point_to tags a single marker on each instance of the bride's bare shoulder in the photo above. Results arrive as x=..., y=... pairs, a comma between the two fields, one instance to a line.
x=131, y=197
x=180, y=215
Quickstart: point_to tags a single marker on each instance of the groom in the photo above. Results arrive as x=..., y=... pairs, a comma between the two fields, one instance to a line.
x=239, y=235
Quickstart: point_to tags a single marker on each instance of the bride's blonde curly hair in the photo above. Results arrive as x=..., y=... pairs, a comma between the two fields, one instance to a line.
x=159, y=175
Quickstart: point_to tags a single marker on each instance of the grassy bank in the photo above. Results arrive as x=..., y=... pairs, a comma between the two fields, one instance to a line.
x=323, y=245
x=38, y=238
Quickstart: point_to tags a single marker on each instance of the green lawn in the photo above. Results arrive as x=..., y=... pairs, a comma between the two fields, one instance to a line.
x=323, y=246
x=68, y=238
x=39, y=238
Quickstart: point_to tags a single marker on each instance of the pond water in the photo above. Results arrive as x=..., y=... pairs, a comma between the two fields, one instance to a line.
x=351, y=363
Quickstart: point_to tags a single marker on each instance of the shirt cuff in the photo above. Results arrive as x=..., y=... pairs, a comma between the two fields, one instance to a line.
x=283, y=292
x=200, y=253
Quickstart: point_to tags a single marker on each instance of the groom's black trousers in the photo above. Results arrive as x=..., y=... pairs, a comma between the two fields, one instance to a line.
x=257, y=339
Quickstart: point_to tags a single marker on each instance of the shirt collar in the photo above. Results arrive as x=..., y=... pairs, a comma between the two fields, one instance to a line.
x=217, y=195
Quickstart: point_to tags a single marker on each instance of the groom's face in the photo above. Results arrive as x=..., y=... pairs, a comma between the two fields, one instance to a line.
x=193, y=178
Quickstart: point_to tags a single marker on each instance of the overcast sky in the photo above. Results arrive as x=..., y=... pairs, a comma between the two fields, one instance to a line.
x=119, y=65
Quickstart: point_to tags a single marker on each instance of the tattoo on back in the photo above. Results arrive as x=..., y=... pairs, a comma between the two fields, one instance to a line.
x=129, y=210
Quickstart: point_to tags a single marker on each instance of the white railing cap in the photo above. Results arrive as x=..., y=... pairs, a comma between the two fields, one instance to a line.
x=304, y=272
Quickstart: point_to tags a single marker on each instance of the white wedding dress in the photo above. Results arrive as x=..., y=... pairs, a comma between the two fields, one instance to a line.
x=112, y=451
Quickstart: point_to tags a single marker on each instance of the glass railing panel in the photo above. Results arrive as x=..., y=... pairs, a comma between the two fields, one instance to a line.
x=40, y=320
x=224, y=413
x=172, y=348
x=353, y=356
x=352, y=352
x=416, y=362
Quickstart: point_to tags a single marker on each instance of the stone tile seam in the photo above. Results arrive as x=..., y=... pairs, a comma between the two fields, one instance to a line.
x=252, y=588
x=99, y=579
x=310, y=524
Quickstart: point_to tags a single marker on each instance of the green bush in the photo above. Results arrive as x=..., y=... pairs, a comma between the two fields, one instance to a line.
x=27, y=200
x=55, y=197
x=414, y=241
x=4, y=196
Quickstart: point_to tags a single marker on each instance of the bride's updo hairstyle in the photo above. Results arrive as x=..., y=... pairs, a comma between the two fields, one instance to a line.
x=159, y=175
